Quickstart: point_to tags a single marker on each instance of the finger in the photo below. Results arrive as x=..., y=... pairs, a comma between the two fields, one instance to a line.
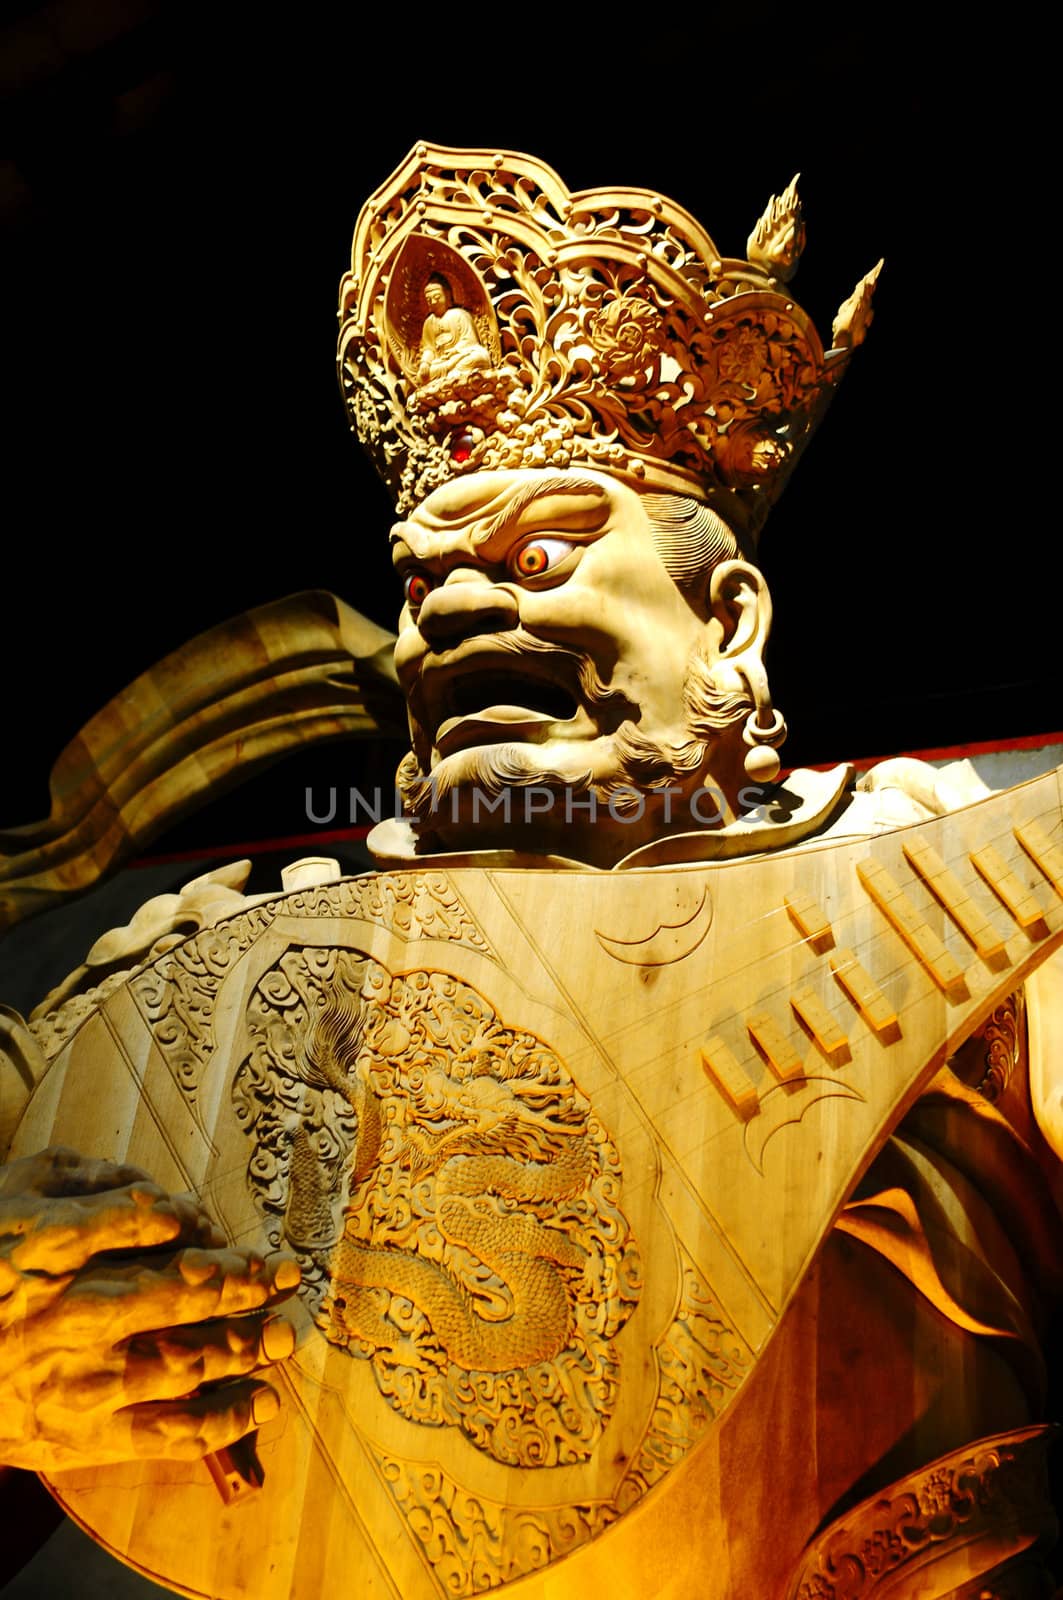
x=109, y=1302
x=185, y=1430
x=60, y=1173
x=167, y=1365
x=63, y=1234
x=281, y=1273
x=285, y=1275
x=170, y=1365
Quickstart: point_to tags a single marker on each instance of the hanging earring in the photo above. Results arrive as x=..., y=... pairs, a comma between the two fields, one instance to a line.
x=742, y=587
x=762, y=759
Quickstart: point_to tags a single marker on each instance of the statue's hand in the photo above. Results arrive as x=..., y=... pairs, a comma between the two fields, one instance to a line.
x=127, y=1328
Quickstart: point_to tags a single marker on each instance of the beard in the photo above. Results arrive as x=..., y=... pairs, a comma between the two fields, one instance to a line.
x=621, y=769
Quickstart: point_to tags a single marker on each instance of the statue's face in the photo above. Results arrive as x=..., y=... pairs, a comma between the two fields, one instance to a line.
x=435, y=297
x=542, y=637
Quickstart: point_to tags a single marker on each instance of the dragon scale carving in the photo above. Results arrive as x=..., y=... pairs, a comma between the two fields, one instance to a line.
x=453, y=1199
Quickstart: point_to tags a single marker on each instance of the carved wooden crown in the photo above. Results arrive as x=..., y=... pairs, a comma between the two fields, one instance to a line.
x=491, y=319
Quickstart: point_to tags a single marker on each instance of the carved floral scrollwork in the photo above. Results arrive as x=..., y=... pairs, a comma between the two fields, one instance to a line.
x=421, y=905
x=701, y=1362
x=473, y=1543
x=629, y=338
x=176, y=994
x=995, y=1491
x=54, y=1029
x=1004, y=1035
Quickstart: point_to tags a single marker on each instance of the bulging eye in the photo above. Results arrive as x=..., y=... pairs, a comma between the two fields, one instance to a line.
x=418, y=587
x=538, y=557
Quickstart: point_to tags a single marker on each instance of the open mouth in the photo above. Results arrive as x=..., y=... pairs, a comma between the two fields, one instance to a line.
x=487, y=707
x=470, y=695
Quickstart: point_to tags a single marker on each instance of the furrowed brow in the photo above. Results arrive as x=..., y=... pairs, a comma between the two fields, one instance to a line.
x=568, y=504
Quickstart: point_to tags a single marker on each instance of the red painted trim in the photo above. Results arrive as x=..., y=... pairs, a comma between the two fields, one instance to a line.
x=300, y=841
x=952, y=752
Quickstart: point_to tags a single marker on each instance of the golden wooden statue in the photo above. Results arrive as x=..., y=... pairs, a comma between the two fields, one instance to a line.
x=667, y=1152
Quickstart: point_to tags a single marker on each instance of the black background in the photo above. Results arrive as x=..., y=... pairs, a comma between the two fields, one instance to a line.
x=179, y=188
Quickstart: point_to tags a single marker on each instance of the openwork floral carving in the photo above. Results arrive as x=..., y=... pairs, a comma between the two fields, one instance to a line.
x=601, y=328
x=744, y=358
x=629, y=338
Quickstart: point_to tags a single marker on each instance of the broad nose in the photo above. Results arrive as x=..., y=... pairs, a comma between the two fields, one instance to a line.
x=465, y=605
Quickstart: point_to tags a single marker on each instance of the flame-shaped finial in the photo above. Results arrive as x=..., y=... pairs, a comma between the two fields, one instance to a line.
x=779, y=237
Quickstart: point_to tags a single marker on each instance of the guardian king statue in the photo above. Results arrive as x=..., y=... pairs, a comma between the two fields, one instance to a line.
x=665, y=1151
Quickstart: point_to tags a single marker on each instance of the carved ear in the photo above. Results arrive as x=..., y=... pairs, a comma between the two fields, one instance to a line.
x=739, y=627
x=741, y=611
